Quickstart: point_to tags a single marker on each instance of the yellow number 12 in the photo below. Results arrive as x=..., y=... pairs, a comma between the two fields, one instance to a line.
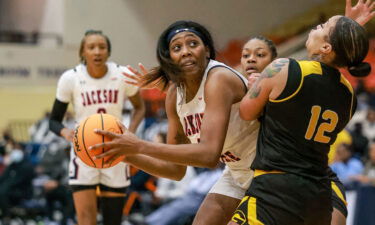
x=330, y=116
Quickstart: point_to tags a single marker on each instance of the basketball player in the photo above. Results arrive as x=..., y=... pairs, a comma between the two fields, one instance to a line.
x=205, y=215
x=304, y=105
x=257, y=53
x=95, y=86
x=202, y=104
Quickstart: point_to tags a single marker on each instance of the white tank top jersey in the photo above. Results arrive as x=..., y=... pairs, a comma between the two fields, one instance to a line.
x=240, y=143
x=90, y=95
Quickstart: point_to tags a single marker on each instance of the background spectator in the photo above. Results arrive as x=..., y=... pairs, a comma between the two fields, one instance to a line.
x=346, y=166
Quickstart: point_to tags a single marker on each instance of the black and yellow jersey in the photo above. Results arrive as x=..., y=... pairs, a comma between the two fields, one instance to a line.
x=298, y=127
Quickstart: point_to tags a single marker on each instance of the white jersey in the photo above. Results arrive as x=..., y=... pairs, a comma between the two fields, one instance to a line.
x=240, y=143
x=89, y=96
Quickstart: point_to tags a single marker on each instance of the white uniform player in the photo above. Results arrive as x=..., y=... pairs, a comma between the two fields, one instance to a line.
x=240, y=142
x=89, y=96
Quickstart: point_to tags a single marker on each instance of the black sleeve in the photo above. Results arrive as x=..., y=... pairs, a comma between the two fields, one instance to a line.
x=57, y=116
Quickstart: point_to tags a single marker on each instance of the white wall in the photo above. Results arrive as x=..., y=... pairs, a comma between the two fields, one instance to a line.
x=32, y=65
x=134, y=25
x=21, y=15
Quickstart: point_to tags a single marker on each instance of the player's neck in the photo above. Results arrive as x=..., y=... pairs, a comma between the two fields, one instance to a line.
x=97, y=71
x=191, y=87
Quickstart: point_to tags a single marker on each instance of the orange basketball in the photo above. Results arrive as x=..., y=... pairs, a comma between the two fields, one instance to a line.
x=84, y=137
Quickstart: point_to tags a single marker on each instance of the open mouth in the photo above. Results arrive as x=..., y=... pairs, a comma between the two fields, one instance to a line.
x=251, y=69
x=188, y=64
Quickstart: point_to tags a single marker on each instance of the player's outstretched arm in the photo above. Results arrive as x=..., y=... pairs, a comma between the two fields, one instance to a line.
x=362, y=12
x=138, y=113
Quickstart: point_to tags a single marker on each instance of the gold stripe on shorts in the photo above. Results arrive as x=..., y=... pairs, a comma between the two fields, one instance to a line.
x=262, y=172
x=338, y=192
x=252, y=212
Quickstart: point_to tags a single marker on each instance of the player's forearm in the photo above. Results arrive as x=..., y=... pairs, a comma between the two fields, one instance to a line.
x=199, y=155
x=58, y=111
x=157, y=167
x=137, y=117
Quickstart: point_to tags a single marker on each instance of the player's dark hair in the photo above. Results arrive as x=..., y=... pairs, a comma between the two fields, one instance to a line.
x=269, y=43
x=88, y=33
x=167, y=70
x=350, y=42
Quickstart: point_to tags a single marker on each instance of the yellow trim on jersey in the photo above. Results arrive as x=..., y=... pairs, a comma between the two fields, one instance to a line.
x=262, y=172
x=310, y=67
x=252, y=212
x=239, y=216
x=307, y=68
x=338, y=192
x=345, y=82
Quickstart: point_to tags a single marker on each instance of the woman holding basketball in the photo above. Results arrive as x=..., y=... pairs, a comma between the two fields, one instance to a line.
x=95, y=86
x=204, y=126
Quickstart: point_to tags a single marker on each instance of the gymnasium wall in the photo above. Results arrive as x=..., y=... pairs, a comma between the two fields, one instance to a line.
x=134, y=26
x=28, y=74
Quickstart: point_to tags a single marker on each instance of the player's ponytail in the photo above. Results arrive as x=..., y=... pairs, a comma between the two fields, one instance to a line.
x=350, y=42
x=360, y=70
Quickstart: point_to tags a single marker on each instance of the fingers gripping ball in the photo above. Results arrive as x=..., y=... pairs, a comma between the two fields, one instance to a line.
x=84, y=137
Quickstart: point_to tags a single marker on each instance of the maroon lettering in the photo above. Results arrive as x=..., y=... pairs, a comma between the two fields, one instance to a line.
x=83, y=99
x=105, y=96
x=88, y=99
x=93, y=97
x=229, y=157
x=190, y=119
x=110, y=96
x=102, y=110
x=193, y=124
x=198, y=121
x=98, y=96
x=187, y=130
x=116, y=94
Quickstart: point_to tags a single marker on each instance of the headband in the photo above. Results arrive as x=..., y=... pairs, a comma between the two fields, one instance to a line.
x=173, y=32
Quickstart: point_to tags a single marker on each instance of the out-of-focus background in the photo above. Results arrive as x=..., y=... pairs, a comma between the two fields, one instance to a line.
x=39, y=40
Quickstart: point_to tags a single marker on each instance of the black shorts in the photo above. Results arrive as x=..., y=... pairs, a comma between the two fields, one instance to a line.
x=338, y=197
x=285, y=199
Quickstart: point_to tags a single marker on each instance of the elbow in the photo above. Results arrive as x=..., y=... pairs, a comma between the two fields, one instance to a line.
x=212, y=165
x=211, y=161
x=178, y=175
x=245, y=116
x=244, y=113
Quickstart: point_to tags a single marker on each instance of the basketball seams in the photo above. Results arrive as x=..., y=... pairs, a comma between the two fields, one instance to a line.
x=105, y=122
x=101, y=117
x=84, y=144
